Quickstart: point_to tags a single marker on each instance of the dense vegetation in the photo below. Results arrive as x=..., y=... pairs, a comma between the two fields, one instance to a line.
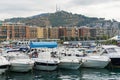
x=59, y=18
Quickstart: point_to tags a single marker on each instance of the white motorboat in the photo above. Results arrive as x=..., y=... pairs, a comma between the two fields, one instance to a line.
x=92, y=59
x=67, y=61
x=19, y=61
x=44, y=61
x=4, y=64
x=95, y=61
x=112, y=51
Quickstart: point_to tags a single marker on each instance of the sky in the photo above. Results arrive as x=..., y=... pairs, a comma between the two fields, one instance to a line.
x=108, y=9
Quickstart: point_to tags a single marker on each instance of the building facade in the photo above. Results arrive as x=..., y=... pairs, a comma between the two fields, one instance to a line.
x=40, y=32
x=84, y=31
x=17, y=31
x=53, y=33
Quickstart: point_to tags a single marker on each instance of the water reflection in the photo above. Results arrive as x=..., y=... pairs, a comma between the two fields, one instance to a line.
x=69, y=75
x=82, y=74
x=45, y=75
x=100, y=74
x=18, y=76
x=94, y=74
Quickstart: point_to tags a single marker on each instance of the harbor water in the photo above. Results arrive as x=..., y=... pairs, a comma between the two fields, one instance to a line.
x=82, y=74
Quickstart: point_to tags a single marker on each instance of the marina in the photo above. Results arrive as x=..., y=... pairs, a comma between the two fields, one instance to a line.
x=48, y=60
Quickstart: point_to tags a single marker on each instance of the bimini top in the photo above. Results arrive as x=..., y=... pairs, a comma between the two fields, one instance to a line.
x=43, y=44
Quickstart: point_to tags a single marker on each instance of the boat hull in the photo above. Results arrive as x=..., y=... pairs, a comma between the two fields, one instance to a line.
x=115, y=62
x=3, y=68
x=17, y=67
x=95, y=64
x=69, y=65
x=46, y=66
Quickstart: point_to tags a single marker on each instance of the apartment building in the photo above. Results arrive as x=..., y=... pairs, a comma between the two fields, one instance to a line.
x=61, y=32
x=92, y=32
x=53, y=33
x=13, y=30
x=40, y=32
x=84, y=31
x=33, y=32
x=17, y=31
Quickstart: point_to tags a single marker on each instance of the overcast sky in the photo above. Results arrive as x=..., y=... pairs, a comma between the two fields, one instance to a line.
x=109, y=9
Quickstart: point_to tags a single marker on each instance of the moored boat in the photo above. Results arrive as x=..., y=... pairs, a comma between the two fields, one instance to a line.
x=95, y=61
x=19, y=62
x=4, y=64
x=92, y=59
x=43, y=59
x=67, y=60
x=45, y=62
x=112, y=52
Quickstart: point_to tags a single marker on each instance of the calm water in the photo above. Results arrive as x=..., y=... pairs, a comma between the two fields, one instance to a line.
x=83, y=74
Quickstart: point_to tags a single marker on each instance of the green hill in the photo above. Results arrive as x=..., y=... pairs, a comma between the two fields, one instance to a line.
x=60, y=18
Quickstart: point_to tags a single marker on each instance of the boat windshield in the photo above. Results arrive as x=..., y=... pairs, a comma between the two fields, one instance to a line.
x=111, y=50
x=18, y=57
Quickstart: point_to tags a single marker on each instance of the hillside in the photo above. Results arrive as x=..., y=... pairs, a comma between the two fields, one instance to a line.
x=62, y=18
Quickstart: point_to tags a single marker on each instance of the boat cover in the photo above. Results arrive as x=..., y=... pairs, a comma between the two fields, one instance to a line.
x=43, y=44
